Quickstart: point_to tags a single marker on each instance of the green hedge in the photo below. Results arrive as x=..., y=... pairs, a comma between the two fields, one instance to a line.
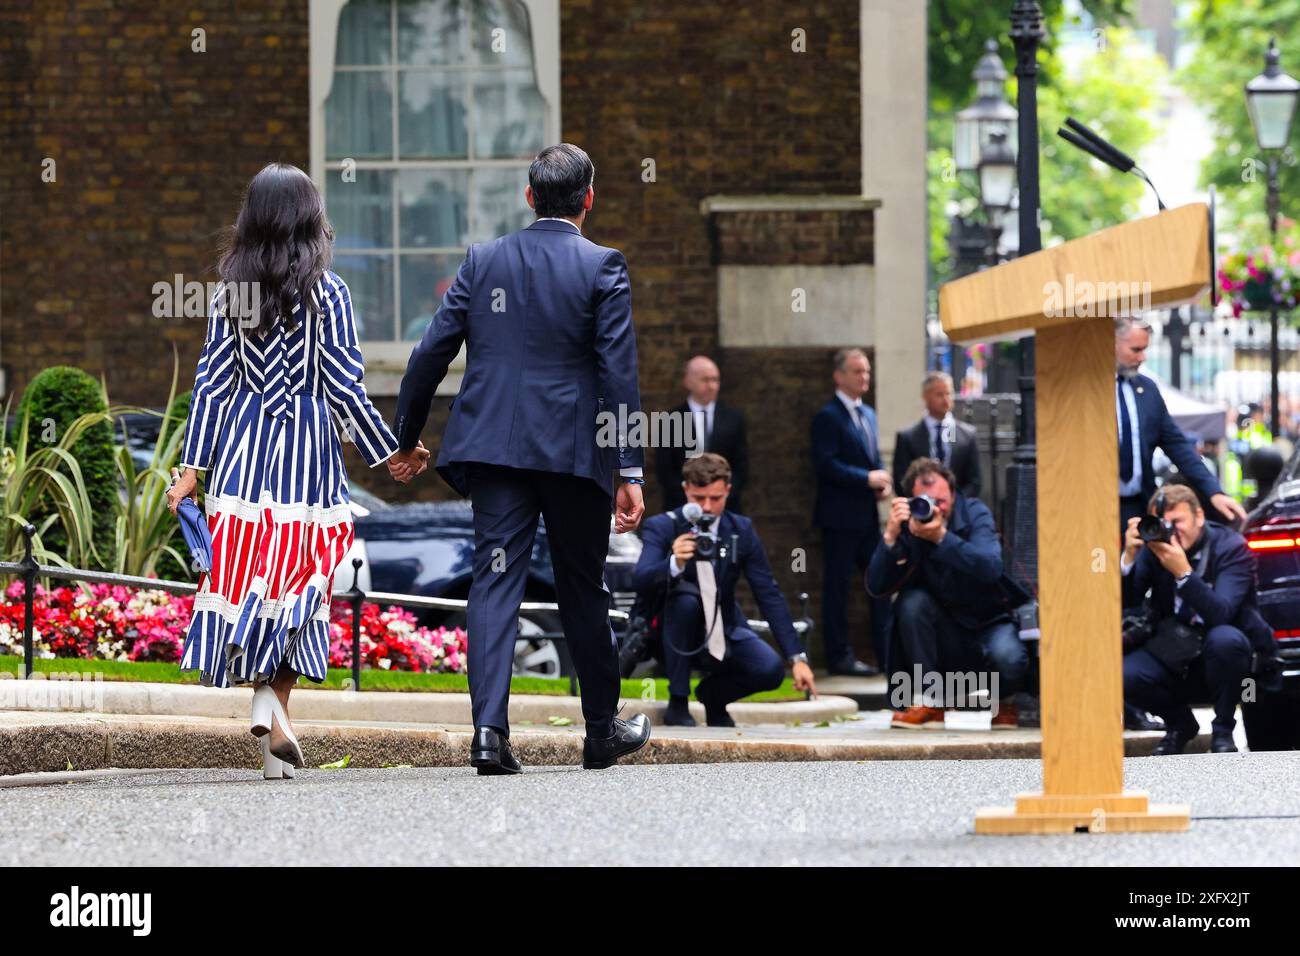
x=54, y=399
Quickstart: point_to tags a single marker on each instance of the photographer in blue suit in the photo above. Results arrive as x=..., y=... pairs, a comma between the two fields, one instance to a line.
x=1144, y=425
x=546, y=320
x=703, y=625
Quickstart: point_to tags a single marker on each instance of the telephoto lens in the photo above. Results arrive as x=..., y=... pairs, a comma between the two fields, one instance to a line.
x=923, y=508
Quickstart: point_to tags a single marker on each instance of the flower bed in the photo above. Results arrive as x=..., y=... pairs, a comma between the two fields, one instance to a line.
x=108, y=622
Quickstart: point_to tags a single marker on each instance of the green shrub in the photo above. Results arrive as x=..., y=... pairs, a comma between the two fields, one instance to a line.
x=54, y=399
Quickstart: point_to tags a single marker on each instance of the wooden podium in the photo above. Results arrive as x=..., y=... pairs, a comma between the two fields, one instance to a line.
x=1069, y=296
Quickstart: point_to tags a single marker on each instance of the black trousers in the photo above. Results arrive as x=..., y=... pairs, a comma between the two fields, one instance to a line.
x=843, y=551
x=1218, y=674
x=750, y=665
x=507, y=503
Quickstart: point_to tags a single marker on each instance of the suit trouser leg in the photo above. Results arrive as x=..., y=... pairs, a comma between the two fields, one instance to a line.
x=1151, y=686
x=751, y=665
x=839, y=551
x=505, y=523
x=683, y=632
x=1226, y=662
x=577, y=513
x=881, y=610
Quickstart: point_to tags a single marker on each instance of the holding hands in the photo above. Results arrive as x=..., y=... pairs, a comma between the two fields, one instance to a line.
x=405, y=465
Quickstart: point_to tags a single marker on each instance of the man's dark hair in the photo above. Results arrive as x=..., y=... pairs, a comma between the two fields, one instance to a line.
x=559, y=177
x=705, y=469
x=922, y=467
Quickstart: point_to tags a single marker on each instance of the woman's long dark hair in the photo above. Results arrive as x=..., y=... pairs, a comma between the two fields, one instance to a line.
x=282, y=241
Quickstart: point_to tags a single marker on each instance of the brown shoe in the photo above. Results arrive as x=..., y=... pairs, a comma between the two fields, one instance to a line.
x=915, y=717
x=1007, y=717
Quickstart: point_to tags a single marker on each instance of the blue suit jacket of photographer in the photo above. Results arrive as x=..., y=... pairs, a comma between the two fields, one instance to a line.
x=546, y=319
x=746, y=556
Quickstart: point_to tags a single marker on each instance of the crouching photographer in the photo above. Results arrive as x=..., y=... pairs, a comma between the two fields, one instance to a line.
x=696, y=554
x=940, y=553
x=1199, y=635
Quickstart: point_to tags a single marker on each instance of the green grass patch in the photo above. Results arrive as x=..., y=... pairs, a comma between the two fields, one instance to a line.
x=340, y=679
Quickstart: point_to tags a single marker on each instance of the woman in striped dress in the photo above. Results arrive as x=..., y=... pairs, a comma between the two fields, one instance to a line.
x=279, y=374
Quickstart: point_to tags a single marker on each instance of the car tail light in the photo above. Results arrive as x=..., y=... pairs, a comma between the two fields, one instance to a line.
x=1273, y=543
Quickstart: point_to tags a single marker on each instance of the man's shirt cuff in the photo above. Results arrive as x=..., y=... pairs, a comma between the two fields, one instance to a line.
x=631, y=472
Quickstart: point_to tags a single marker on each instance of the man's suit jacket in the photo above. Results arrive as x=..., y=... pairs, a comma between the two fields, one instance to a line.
x=1157, y=429
x=546, y=318
x=963, y=572
x=1223, y=594
x=963, y=456
x=728, y=440
x=842, y=463
x=746, y=556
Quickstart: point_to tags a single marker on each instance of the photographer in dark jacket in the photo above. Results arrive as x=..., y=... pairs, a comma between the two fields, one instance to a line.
x=703, y=625
x=1201, y=627
x=952, y=611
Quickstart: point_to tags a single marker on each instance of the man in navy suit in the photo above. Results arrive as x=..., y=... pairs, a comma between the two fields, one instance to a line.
x=1203, y=578
x=538, y=428
x=717, y=641
x=851, y=478
x=1144, y=425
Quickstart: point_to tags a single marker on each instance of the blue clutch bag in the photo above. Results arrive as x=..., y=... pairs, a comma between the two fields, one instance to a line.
x=194, y=527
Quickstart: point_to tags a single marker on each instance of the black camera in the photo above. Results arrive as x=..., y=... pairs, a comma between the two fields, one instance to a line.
x=923, y=508
x=706, y=537
x=1153, y=527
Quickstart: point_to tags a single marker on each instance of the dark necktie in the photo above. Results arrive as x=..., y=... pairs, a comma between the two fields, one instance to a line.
x=866, y=430
x=1125, y=434
x=938, y=443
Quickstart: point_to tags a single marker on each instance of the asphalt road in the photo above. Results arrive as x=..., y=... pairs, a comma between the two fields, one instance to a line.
x=1245, y=808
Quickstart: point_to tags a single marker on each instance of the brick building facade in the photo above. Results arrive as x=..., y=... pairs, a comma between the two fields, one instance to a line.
x=760, y=163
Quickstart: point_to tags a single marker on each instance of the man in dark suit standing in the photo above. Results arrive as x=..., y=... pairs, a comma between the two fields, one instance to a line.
x=940, y=436
x=851, y=478
x=1144, y=424
x=715, y=427
x=703, y=625
x=551, y=366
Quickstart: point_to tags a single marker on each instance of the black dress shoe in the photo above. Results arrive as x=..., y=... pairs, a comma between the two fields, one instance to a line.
x=1176, y=740
x=678, y=713
x=629, y=736
x=490, y=753
x=718, y=717
x=1221, y=742
x=1135, y=719
x=850, y=667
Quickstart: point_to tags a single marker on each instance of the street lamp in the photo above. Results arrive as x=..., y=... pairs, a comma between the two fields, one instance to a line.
x=990, y=114
x=997, y=172
x=1271, y=101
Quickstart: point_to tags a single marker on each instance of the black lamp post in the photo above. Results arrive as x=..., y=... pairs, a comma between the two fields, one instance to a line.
x=1271, y=101
x=1020, y=522
x=997, y=172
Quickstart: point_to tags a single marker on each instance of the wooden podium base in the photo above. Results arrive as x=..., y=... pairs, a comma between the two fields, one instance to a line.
x=1127, y=812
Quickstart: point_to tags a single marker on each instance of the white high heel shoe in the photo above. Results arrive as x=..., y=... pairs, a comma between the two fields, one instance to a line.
x=267, y=709
x=273, y=768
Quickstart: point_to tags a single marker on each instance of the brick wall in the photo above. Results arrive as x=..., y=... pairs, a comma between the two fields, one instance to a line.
x=152, y=145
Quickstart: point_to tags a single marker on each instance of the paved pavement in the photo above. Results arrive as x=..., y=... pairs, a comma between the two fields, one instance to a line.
x=1245, y=811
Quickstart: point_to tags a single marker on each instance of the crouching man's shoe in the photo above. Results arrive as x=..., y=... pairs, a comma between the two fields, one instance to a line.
x=1221, y=742
x=678, y=713
x=490, y=753
x=629, y=736
x=915, y=717
x=1176, y=739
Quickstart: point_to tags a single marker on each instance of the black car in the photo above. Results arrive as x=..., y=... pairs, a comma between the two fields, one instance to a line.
x=426, y=548
x=1272, y=531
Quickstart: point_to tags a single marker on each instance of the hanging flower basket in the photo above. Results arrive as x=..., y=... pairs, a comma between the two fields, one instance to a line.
x=1258, y=281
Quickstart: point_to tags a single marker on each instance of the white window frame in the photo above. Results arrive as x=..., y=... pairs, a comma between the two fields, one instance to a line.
x=386, y=360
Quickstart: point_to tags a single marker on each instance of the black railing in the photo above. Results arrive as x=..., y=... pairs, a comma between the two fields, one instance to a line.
x=29, y=570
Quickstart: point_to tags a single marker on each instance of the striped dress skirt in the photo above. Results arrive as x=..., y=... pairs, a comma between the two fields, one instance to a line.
x=276, y=499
